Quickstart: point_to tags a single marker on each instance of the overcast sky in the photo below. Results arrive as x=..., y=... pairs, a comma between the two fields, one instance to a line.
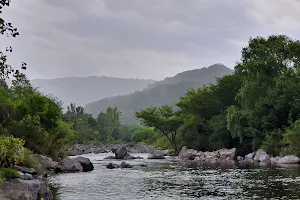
x=140, y=38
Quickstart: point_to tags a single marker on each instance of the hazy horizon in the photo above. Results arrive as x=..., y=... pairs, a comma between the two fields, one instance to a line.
x=139, y=39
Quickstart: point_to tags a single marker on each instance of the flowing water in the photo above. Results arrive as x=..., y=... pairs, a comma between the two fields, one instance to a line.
x=172, y=179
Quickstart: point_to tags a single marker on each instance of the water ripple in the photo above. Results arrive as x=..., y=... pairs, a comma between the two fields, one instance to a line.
x=170, y=179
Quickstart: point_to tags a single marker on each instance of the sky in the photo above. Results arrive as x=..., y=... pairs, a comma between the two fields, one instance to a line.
x=149, y=39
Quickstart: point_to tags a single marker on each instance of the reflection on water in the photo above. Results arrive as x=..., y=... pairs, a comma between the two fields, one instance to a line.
x=171, y=179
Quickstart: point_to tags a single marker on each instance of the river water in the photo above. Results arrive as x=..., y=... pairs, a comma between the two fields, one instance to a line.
x=172, y=179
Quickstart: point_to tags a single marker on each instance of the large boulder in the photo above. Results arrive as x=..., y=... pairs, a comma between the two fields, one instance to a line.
x=17, y=189
x=187, y=154
x=69, y=165
x=86, y=164
x=288, y=160
x=250, y=156
x=227, y=154
x=121, y=153
x=44, y=163
x=261, y=156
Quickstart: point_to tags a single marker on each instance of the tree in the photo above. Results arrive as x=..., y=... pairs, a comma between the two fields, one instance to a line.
x=109, y=124
x=6, y=70
x=164, y=120
x=145, y=134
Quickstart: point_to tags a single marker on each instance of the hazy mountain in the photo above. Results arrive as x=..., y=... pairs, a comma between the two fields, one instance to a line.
x=163, y=92
x=82, y=90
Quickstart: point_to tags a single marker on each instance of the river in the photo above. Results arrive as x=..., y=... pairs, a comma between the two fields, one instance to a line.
x=171, y=179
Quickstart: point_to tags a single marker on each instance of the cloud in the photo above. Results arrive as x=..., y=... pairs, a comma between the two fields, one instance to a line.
x=143, y=39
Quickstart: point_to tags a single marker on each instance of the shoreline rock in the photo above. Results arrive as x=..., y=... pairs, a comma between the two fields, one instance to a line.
x=141, y=147
x=221, y=155
x=17, y=189
x=77, y=164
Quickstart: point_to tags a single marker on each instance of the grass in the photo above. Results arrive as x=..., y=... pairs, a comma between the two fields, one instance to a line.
x=7, y=174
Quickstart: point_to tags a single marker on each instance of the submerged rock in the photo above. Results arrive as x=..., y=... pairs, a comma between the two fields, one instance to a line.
x=156, y=156
x=125, y=165
x=109, y=158
x=17, y=189
x=112, y=166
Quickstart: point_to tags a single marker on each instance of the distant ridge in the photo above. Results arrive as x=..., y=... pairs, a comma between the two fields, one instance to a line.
x=83, y=90
x=167, y=91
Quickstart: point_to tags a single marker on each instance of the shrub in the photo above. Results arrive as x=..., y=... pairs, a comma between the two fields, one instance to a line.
x=29, y=160
x=8, y=174
x=292, y=139
x=163, y=142
x=11, y=151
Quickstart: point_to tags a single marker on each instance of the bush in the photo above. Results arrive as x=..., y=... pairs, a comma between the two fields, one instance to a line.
x=145, y=134
x=29, y=160
x=163, y=142
x=273, y=143
x=11, y=151
x=116, y=141
x=292, y=139
x=8, y=174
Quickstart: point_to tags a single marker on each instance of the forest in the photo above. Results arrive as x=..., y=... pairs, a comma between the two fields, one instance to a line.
x=258, y=106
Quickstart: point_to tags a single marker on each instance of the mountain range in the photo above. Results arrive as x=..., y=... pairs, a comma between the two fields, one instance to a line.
x=82, y=90
x=167, y=91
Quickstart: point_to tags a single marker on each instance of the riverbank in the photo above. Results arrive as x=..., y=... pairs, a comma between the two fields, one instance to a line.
x=229, y=156
x=80, y=149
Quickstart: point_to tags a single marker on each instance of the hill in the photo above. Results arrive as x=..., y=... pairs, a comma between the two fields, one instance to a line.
x=163, y=92
x=82, y=90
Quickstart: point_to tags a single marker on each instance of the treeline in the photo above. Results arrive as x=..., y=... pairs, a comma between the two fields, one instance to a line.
x=256, y=107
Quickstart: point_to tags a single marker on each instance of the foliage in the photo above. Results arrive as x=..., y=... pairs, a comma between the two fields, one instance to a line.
x=11, y=151
x=109, y=124
x=292, y=139
x=29, y=161
x=164, y=120
x=145, y=134
x=7, y=174
x=255, y=107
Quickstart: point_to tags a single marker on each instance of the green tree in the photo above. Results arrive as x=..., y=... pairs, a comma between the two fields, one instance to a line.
x=109, y=124
x=164, y=120
x=145, y=134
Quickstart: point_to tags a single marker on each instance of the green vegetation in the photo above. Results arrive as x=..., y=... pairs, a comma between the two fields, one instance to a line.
x=255, y=107
x=7, y=174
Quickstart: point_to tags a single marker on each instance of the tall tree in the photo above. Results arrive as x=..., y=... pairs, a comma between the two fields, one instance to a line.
x=109, y=124
x=163, y=119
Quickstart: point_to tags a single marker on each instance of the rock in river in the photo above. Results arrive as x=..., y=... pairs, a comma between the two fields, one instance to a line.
x=78, y=164
x=86, y=164
x=156, y=156
x=121, y=153
x=69, y=165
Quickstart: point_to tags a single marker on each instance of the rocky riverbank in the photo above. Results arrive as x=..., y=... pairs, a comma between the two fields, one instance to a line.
x=31, y=184
x=225, y=156
x=79, y=149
